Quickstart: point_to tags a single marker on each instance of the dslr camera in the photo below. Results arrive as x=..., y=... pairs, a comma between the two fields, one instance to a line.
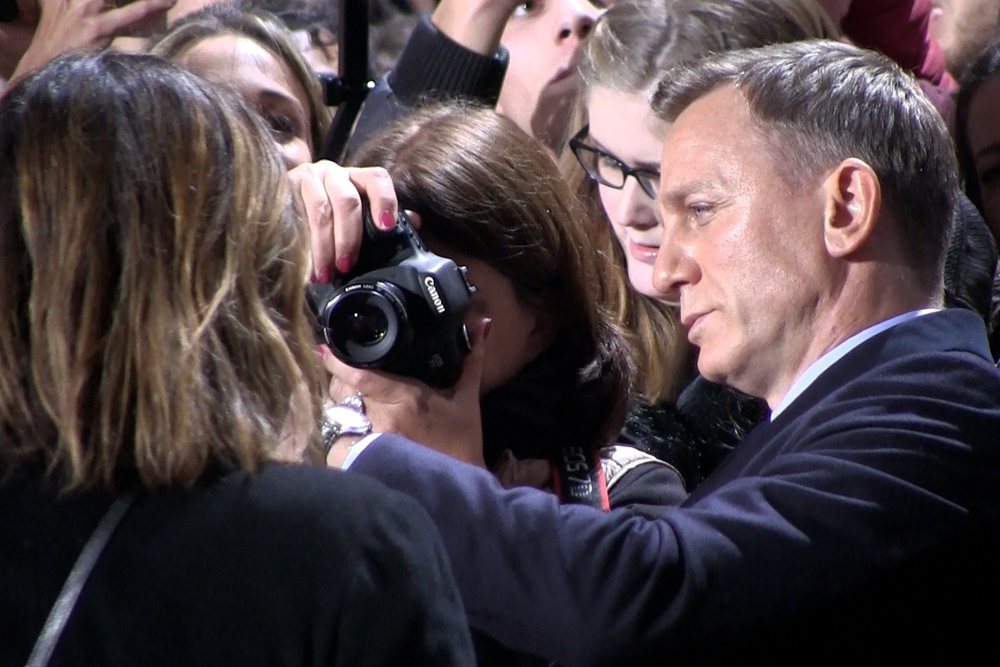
x=401, y=309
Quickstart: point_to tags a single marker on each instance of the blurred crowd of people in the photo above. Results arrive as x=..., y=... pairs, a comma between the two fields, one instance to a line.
x=727, y=316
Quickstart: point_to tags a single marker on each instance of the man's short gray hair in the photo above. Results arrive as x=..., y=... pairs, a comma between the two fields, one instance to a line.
x=819, y=103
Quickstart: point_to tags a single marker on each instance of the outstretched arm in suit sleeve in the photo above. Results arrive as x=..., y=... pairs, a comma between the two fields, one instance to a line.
x=584, y=587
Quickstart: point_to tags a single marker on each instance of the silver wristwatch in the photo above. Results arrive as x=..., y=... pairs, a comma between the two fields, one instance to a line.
x=339, y=420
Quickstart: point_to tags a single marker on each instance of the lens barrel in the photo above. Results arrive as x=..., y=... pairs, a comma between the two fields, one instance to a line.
x=365, y=322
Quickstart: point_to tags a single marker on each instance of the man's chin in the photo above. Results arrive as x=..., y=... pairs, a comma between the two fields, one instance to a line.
x=711, y=369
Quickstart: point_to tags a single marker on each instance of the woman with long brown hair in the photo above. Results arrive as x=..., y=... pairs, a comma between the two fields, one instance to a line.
x=156, y=359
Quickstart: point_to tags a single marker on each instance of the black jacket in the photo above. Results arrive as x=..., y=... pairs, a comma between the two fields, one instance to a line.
x=292, y=566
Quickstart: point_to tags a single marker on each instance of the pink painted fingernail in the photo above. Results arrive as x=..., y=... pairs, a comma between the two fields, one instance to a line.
x=320, y=350
x=344, y=264
x=324, y=276
x=386, y=220
x=487, y=325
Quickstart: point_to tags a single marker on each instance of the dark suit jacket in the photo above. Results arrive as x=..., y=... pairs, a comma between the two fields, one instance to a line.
x=859, y=524
x=294, y=565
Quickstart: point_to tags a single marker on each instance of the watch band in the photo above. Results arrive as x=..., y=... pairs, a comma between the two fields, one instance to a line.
x=341, y=420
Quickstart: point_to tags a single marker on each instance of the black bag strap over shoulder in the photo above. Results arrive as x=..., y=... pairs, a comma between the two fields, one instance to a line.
x=63, y=607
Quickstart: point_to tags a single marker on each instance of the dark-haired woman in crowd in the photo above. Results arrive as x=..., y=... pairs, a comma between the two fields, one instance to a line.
x=977, y=138
x=156, y=364
x=553, y=372
x=557, y=371
x=978, y=135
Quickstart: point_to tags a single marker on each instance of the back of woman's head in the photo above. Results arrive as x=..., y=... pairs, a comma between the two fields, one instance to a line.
x=151, y=277
x=486, y=189
x=637, y=39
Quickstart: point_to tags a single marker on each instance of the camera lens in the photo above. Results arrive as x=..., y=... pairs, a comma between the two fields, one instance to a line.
x=363, y=324
x=366, y=324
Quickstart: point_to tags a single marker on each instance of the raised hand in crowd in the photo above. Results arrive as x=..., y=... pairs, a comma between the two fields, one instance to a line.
x=15, y=35
x=475, y=24
x=330, y=199
x=63, y=26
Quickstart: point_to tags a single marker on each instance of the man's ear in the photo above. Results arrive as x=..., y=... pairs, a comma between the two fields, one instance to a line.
x=853, y=201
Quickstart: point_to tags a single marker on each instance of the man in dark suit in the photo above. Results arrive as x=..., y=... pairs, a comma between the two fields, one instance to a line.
x=807, y=198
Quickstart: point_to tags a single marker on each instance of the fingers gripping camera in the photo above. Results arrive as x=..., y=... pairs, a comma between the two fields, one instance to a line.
x=401, y=309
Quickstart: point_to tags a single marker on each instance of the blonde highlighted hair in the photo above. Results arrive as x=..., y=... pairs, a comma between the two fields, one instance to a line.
x=152, y=321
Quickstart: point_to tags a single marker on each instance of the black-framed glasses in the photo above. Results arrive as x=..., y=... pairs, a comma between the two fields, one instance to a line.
x=608, y=170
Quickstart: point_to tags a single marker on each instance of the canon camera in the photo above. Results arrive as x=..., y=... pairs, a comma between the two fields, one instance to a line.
x=401, y=309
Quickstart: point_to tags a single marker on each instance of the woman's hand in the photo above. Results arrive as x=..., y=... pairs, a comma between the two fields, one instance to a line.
x=330, y=198
x=447, y=420
x=77, y=25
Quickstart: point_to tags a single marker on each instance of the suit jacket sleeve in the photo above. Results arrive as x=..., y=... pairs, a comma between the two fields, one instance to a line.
x=520, y=551
x=588, y=588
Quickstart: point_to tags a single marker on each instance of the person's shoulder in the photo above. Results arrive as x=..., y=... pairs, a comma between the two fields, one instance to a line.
x=307, y=481
x=922, y=401
x=926, y=388
x=318, y=500
x=394, y=584
x=640, y=482
x=942, y=356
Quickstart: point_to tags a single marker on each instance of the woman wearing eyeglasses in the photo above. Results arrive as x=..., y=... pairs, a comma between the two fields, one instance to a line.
x=619, y=152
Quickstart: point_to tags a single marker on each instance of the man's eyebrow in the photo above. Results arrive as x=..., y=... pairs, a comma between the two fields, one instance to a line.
x=683, y=190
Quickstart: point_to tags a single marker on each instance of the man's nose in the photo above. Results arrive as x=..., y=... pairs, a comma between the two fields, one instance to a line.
x=675, y=268
x=576, y=20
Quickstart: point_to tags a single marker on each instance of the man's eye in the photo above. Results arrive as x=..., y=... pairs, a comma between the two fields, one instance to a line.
x=701, y=211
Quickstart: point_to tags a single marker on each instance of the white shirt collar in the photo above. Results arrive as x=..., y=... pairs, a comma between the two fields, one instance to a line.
x=817, y=367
